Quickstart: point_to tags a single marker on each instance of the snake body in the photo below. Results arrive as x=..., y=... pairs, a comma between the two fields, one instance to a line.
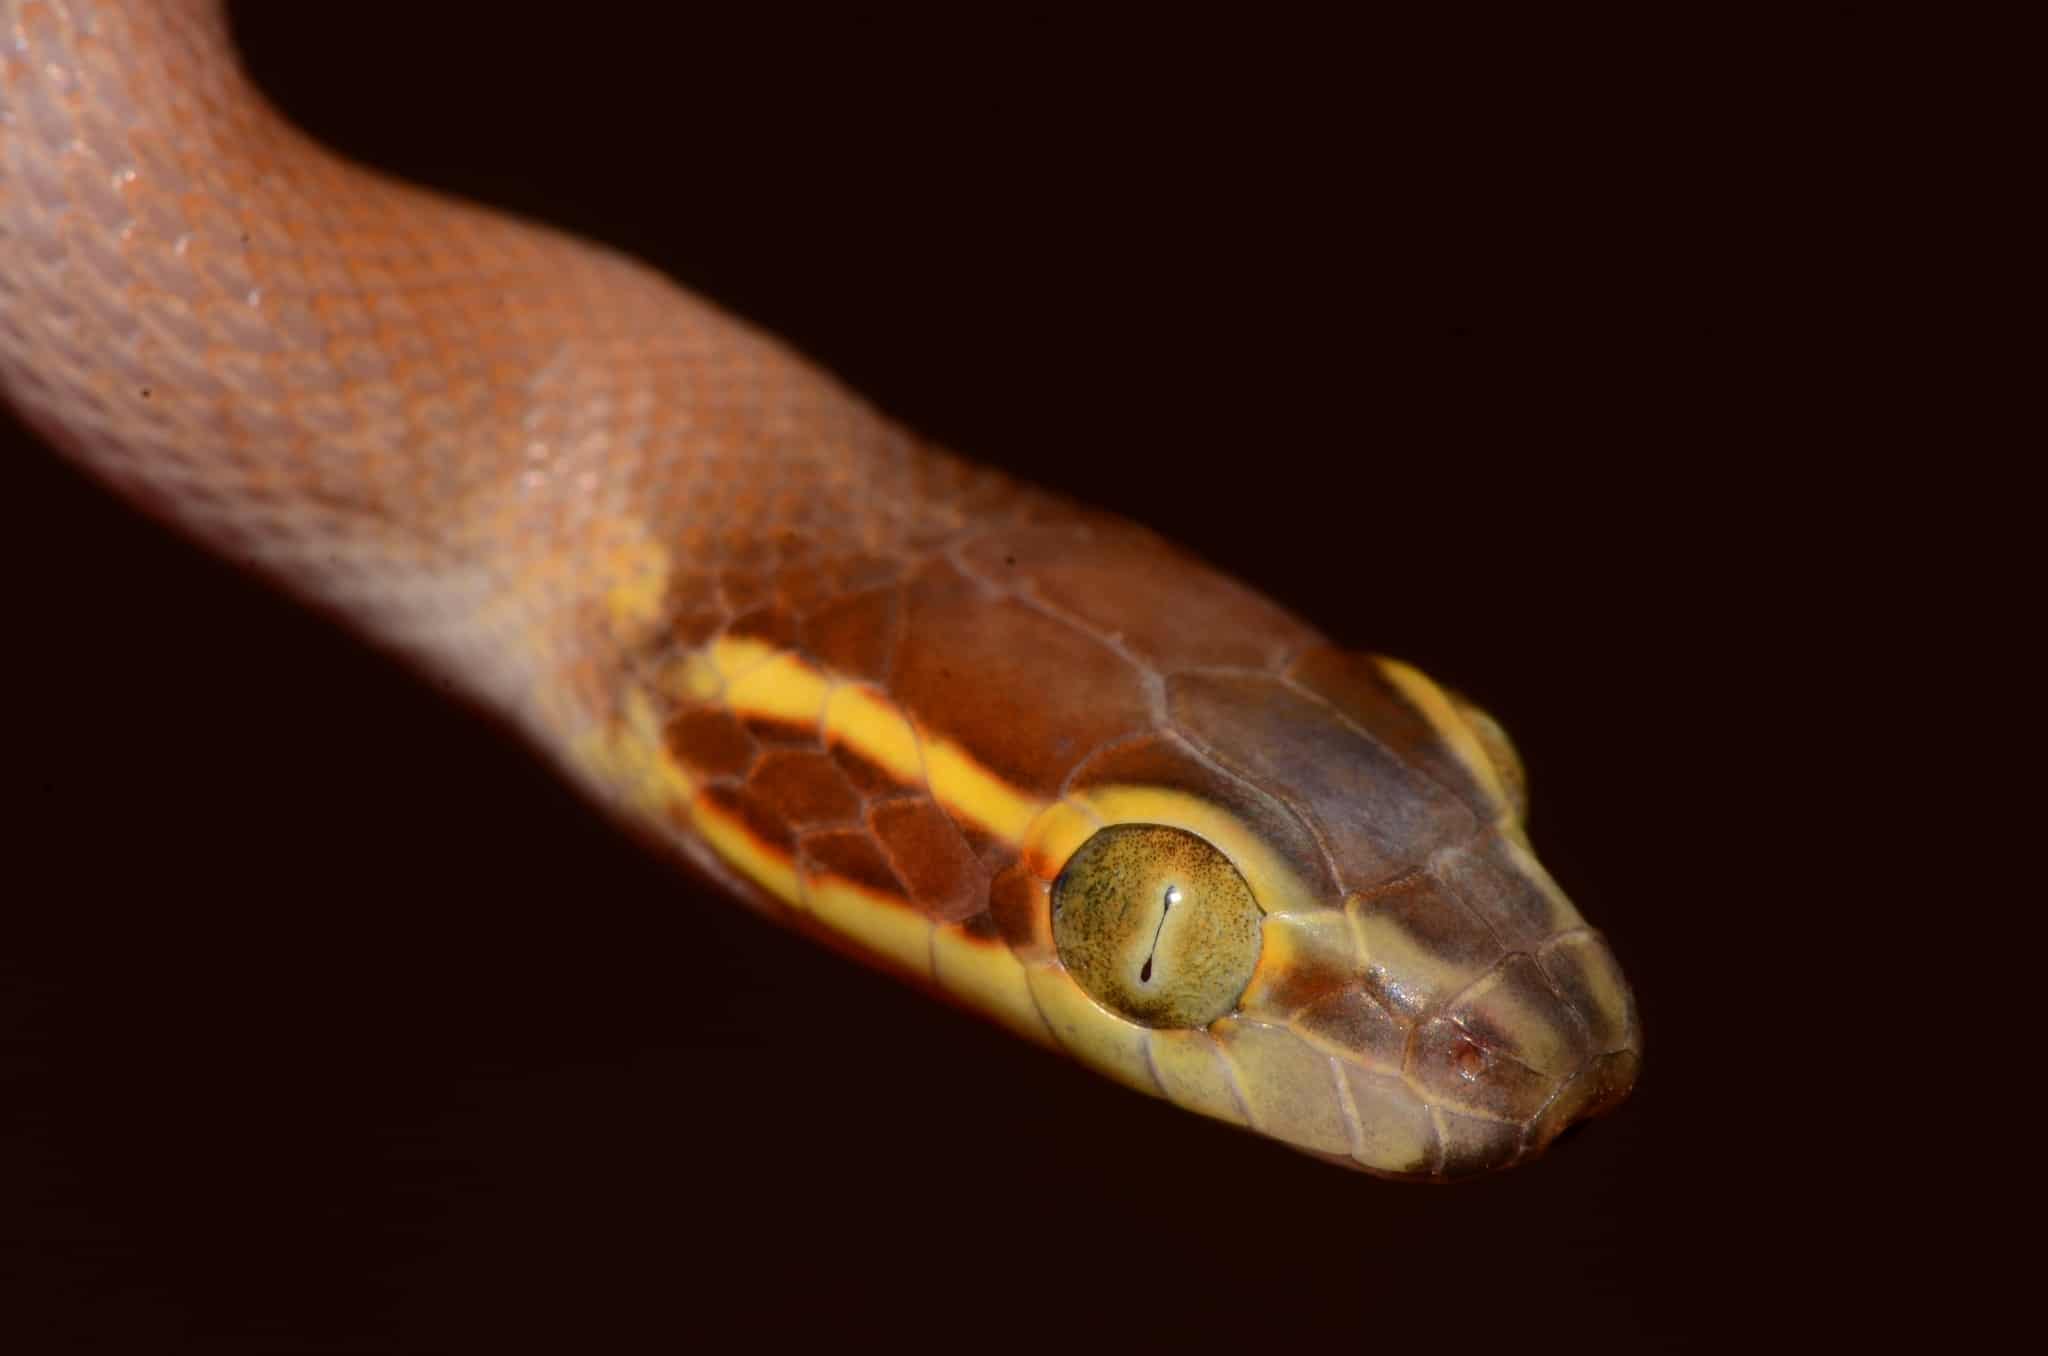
x=1027, y=755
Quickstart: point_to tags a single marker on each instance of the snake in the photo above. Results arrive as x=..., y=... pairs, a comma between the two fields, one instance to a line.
x=1028, y=756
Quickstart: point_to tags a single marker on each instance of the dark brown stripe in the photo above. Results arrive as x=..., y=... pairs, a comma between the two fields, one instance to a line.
x=711, y=743
x=806, y=785
x=946, y=879
x=754, y=814
x=852, y=856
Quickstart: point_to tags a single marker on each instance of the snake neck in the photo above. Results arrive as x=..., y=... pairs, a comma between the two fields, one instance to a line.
x=521, y=459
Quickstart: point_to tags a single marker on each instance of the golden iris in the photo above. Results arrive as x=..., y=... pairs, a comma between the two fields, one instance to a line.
x=1156, y=924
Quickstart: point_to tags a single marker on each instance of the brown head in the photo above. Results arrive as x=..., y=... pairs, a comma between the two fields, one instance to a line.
x=1124, y=805
x=1416, y=995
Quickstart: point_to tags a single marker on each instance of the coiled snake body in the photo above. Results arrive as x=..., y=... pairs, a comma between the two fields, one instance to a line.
x=1027, y=755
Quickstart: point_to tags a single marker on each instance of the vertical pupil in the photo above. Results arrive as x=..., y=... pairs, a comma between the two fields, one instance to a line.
x=1172, y=898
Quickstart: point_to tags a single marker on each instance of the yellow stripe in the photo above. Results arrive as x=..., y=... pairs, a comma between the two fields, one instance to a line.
x=754, y=859
x=884, y=925
x=861, y=720
x=732, y=656
x=1409, y=972
x=1294, y=944
x=1056, y=835
x=989, y=979
x=710, y=673
x=974, y=793
x=781, y=688
x=754, y=680
x=1436, y=707
x=694, y=678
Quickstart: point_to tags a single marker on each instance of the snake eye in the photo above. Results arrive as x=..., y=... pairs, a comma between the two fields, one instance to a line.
x=1156, y=924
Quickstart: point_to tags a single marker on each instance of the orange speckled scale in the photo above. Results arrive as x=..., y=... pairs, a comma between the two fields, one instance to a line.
x=879, y=693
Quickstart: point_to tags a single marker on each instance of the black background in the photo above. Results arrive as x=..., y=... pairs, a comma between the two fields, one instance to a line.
x=333, y=1023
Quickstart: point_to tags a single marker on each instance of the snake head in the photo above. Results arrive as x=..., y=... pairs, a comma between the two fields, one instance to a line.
x=1299, y=897
x=1116, y=801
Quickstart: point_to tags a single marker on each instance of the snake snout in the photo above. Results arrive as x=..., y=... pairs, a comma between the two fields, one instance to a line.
x=1545, y=1038
x=1582, y=971
x=1601, y=1085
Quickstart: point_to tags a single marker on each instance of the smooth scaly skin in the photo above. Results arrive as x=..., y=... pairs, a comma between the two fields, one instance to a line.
x=880, y=693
